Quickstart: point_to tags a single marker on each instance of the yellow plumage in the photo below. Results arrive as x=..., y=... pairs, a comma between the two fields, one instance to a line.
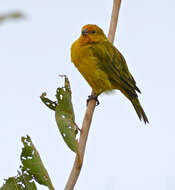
x=103, y=66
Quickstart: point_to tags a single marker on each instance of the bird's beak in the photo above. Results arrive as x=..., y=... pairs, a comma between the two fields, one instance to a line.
x=84, y=32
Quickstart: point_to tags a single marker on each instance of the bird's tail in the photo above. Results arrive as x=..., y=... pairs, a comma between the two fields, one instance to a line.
x=139, y=110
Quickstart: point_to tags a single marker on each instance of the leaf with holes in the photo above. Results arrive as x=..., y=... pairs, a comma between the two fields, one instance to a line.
x=64, y=115
x=11, y=183
x=26, y=181
x=49, y=103
x=33, y=165
x=20, y=182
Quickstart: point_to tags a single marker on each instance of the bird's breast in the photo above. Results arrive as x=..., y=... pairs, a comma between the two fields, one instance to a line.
x=87, y=64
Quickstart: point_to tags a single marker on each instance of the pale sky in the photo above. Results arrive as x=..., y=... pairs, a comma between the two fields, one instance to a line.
x=122, y=153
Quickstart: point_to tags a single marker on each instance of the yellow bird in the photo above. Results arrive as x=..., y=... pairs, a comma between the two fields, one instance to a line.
x=104, y=67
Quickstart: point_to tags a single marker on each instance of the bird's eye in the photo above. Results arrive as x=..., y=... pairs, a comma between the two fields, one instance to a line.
x=93, y=31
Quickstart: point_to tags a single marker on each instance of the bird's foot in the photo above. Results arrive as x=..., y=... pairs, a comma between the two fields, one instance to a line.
x=93, y=97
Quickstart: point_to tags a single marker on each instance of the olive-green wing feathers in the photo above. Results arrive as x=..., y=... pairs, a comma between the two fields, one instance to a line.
x=114, y=65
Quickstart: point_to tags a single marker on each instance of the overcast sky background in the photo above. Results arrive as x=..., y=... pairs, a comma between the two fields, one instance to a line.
x=122, y=153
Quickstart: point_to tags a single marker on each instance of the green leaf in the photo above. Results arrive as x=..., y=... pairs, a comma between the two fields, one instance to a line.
x=27, y=181
x=64, y=114
x=32, y=164
x=11, y=183
x=49, y=103
x=20, y=182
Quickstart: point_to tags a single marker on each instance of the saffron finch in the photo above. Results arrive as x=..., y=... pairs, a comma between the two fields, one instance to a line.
x=104, y=67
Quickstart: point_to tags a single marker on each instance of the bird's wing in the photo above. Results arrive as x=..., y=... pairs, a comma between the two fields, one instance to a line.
x=111, y=61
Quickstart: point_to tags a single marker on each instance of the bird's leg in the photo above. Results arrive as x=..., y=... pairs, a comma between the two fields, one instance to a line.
x=93, y=97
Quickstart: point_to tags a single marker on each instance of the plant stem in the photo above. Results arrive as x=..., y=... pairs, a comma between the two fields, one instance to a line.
x=90, y=110
x=81, y=146
x=114, y=20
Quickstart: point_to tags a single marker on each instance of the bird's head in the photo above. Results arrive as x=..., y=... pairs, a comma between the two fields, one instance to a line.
x=92, y=34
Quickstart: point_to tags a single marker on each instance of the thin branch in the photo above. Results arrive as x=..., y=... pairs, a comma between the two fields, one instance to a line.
x=114, y=20
x=89, y=111
x=81, y=147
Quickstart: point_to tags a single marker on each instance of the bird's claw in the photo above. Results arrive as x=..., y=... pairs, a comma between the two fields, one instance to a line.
x=93, y=97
